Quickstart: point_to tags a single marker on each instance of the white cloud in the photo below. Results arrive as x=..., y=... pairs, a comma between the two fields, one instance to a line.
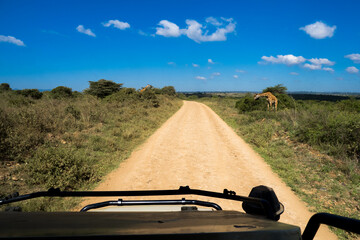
x=210, y=61
x=321, y=61
x=328, y=69
x=319, y=30
x=240, y=71
x=354, y=57
x=172, y=63
x=284, y=59
x=117, y=24
x=352, y=70
x=200, y=78
x=194, y=31
x=236, y=76
x=294, y=73
x=197, y=31
x=312, y=66
x=142, y=33
x=213, y=21
x=195, y=65
x=81, y=29
x=216, y=74
x=12, y=40
x=168, y=29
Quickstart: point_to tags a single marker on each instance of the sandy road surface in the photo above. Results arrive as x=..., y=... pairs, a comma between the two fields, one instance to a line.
x=196, y=147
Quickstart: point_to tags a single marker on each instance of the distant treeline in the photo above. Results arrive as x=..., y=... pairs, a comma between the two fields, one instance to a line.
x=320, y=97
x=296, y=96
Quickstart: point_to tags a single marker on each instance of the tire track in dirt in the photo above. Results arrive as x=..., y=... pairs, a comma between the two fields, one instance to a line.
x=196, y=147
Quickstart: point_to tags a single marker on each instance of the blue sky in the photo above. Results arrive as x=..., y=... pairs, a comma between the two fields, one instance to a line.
x=191, y=45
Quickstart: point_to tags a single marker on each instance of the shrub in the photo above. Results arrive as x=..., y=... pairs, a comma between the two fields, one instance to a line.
x=61, y=92
x=71, y=109
x=285, y=101
x=59, y=167
x=150, y=96
x=103, y=88
x=33, y=93
x=248, y=104
x=351, y=105
x=168, y=90
x=4, y=87
x=123, y=95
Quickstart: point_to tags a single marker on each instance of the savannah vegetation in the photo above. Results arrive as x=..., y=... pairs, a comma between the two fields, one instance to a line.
x=70, y=140
x=313, y=145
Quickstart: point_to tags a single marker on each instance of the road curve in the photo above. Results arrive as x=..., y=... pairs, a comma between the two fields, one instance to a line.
x=196, y=147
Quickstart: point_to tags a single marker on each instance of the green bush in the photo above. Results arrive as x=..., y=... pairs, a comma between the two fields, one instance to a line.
x=61, y=92
x=351, y=105
x=59, y=167
x=73, y=111
x=125, y=94
x=248, y=104
x=33, y=93
x=149, y=95
x=103, y=88
x=338, y=133
x=168, y=90
x=285, y=101
x=4, y=87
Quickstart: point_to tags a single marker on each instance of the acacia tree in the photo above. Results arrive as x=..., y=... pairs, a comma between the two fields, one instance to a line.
x=278, y=89
x=103, y=88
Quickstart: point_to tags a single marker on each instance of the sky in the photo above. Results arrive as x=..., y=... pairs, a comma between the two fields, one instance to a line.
x=191, y=45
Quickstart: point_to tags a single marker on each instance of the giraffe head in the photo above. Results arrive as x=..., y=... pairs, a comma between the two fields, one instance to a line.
x=256, y=96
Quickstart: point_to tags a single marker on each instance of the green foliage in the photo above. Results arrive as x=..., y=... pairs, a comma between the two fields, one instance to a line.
x=168, y=90
x=351, y=105
x=33, y=93
x=72, y=142
x=193, y=97
x=285, y=101
x=295, y=143
x=277, y=89
x=248, y=104
x=73, y=111
x=103, y=88
x=125, y=94
x=181, y=96
x=4, y=87
x=150, y=96
x=59, y=167
x=61, y=92
x=336, y=132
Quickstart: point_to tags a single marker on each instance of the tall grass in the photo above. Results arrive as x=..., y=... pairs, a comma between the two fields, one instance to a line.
x=314, y=149
x=71, y=143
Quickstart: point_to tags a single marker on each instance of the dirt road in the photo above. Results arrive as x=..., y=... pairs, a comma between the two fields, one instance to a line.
x=196, y=147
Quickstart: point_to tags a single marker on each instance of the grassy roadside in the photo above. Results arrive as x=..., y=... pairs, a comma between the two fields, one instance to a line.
x=72, y=143
x=316, y=178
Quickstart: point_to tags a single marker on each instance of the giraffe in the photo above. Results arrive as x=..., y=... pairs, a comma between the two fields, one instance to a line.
x=147, y=86
x=270, y=98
